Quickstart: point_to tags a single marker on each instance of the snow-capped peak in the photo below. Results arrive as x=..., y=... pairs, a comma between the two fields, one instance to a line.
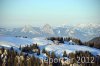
x=79, y=31
x=47, y=29
x=29, y=29
x=89, y=25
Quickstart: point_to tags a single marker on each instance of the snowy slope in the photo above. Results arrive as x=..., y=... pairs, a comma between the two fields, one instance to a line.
x=14, y=41
x=59, y=49
x=41, y=41
x=17, y=41
x=7, y=44
x=47, y=44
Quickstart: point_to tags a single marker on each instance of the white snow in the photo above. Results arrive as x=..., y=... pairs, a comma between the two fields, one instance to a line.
x=47, y=44
x=59, y=32
x=47, y=29
x=29, y=28
x=6, y=44
x=16, y=41
x=59, y=49
x=42, y=41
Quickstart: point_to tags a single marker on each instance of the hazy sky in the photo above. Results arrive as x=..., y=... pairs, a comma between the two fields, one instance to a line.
x=15, y=13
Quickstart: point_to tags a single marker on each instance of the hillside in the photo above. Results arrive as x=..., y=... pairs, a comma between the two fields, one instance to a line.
x=95, y=40
x=47, y=44
x=42, y=49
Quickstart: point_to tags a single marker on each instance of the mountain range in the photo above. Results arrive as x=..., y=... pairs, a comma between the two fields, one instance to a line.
x=85, y=32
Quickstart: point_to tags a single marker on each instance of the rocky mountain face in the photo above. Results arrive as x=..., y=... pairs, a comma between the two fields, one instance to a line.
x=84, y=32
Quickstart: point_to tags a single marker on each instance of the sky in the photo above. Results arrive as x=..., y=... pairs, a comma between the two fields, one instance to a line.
x=16, y=13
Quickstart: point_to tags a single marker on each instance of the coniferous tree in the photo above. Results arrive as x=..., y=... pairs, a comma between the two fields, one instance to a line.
x=53, y=55
x=38, y=53
x=43, y=51
x=64, y=54
x=20, y=47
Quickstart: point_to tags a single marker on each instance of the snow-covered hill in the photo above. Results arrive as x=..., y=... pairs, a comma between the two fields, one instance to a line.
x=47, y=44
x=85, y=32
x=59, y=49
x=14, y=41
x=17, y=41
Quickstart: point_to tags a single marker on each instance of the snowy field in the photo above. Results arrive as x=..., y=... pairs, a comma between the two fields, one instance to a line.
x=14, y=41
x=47, y=44
x=59, y=49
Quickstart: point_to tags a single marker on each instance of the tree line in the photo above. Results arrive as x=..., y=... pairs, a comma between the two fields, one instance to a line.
x=75, y=40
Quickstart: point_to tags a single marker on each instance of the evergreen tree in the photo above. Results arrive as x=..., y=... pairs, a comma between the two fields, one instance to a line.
x=20, y=47
x=38, y=53
x=53, y=55
x=43, y=51
x=64, y=54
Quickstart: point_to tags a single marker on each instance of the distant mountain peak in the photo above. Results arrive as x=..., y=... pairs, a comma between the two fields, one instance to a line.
x=47, y=25
x=85, y=32
x=88, y=25
x=29, y=29
x=47, y=29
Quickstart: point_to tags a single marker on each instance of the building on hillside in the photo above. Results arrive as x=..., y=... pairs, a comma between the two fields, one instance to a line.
x=71, y=42
x=56, y=42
